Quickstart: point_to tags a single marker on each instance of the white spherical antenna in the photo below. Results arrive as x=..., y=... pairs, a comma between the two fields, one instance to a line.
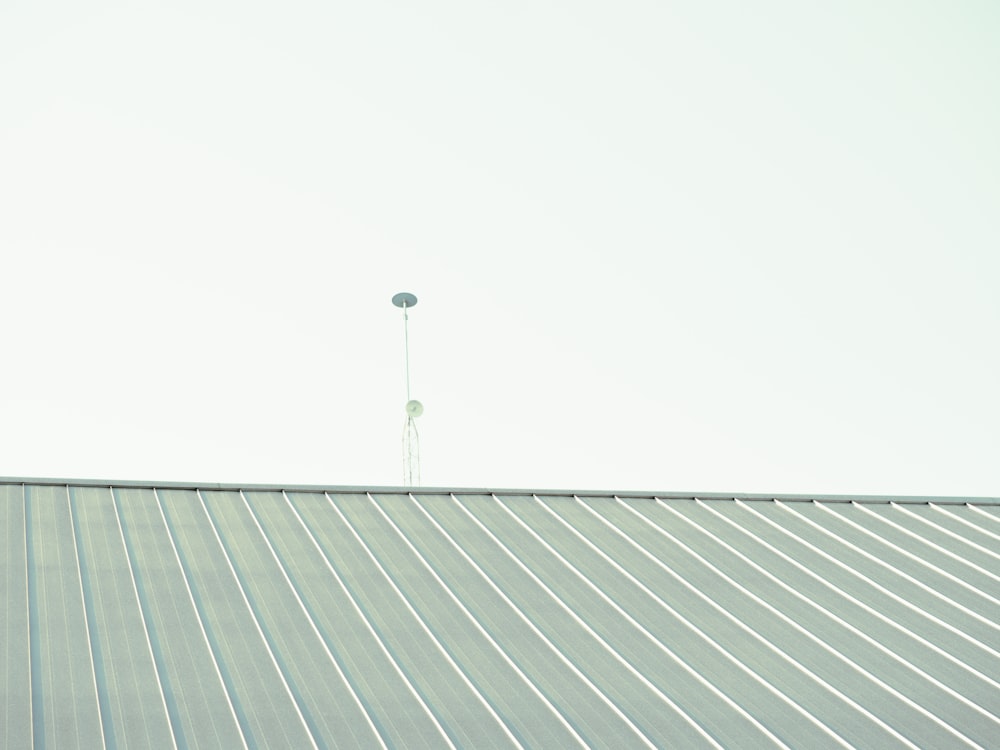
x=414, y=408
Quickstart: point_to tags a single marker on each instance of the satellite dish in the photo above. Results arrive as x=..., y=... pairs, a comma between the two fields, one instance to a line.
x=414, y=408
x=404, y=298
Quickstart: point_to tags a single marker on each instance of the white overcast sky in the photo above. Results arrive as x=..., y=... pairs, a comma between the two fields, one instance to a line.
x=708, y=245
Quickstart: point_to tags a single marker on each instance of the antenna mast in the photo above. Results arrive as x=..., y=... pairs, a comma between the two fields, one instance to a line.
x=411, y=441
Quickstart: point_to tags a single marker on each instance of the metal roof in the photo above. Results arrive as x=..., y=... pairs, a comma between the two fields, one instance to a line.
x=184, y=615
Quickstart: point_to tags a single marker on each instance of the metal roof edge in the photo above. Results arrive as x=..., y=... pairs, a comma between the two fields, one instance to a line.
x=273, y=487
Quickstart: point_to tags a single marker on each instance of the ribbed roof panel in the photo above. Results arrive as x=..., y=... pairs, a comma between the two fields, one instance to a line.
x=143, y=615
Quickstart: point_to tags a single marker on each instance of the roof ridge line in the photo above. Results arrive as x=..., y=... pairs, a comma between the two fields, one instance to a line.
x=635, y=494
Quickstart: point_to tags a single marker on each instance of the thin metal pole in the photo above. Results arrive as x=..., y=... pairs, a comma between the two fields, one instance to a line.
x=406, y=338
x=411, y=447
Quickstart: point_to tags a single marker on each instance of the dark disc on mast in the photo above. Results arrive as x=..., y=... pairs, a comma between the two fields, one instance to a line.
x=404, y=299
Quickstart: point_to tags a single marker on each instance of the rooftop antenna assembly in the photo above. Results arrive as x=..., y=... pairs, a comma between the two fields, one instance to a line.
x=411, y=441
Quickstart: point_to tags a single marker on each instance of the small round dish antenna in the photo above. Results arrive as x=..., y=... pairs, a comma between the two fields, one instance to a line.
x=404, y=299
x=414, y=408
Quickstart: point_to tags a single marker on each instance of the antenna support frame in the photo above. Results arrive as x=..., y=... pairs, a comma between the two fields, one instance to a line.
x=411, y=441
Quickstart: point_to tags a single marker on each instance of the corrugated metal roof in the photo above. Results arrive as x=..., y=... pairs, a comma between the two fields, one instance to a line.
x=156, y=615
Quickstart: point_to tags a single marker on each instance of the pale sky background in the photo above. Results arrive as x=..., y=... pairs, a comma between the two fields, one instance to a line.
x=696, y=246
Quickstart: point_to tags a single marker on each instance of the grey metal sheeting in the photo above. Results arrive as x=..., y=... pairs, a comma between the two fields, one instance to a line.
x=143, y=615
